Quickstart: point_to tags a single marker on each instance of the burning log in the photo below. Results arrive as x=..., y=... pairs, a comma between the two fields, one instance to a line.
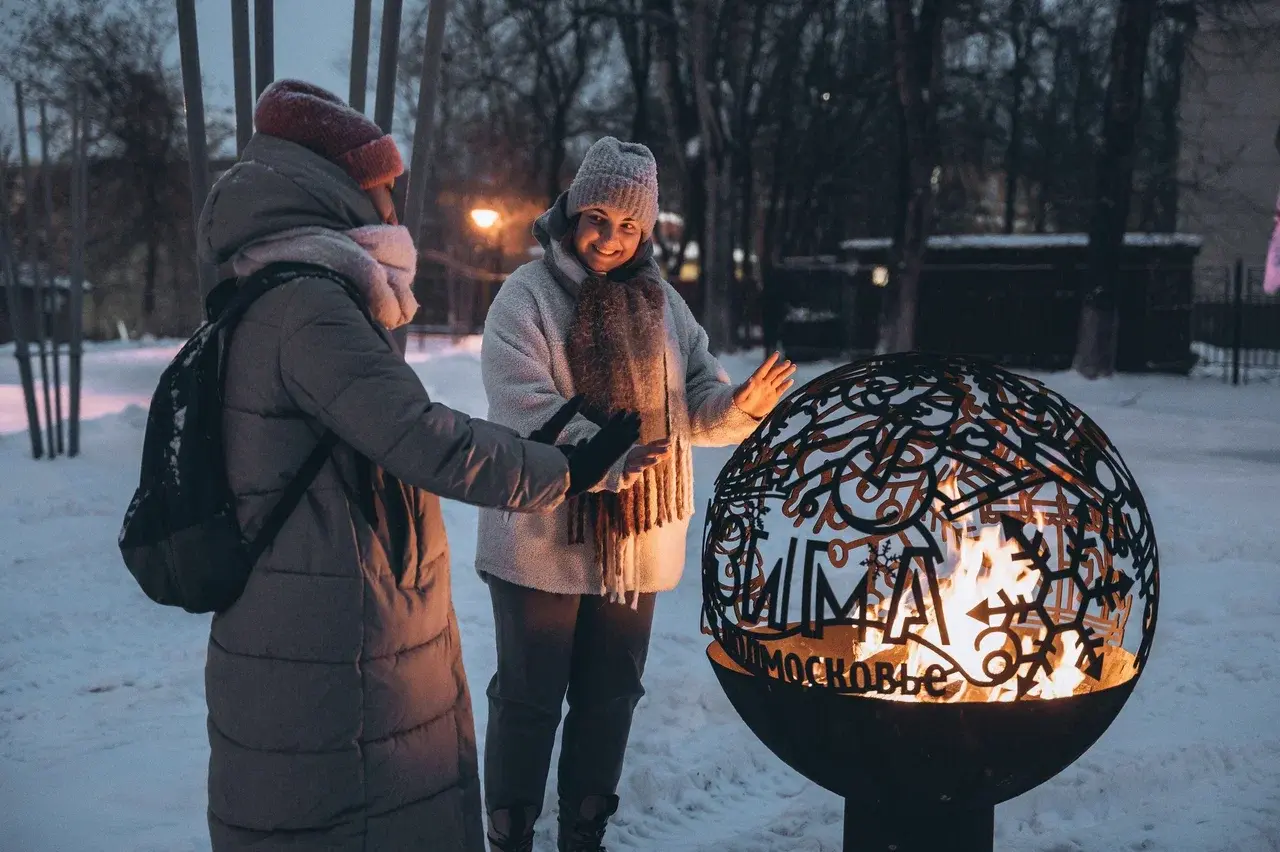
x=919, y=574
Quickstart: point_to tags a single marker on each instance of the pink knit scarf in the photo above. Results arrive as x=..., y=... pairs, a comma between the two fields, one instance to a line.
x=379, y=259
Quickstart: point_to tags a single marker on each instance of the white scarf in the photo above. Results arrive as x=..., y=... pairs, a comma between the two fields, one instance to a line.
x=379, y=259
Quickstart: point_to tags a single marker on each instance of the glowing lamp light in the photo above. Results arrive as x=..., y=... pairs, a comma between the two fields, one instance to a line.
x=483, y=218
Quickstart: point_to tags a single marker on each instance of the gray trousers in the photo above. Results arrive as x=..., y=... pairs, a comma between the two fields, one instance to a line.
x=550, y=646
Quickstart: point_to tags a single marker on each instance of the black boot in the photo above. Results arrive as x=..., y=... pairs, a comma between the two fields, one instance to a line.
x=582, y=823
x=511, y=829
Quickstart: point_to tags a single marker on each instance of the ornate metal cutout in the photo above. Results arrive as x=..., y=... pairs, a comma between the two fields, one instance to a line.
x=928, y=528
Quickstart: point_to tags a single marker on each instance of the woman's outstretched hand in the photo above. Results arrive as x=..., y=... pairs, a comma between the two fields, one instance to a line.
x=640, y=458
x=549, y=432
x=759, y=394
x=591, y=459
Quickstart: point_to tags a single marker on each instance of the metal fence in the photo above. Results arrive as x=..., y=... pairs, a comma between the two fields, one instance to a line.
x=1023, y=312
x=1235, y=326
x=453, y=296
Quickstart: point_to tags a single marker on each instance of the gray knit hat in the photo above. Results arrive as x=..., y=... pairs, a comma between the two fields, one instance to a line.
x=621, y=176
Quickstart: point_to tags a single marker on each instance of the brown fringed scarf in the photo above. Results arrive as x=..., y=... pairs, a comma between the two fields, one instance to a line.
x=617, y=349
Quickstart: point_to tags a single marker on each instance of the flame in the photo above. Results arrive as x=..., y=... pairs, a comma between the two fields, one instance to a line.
x=985, y=569
x=1066, y=675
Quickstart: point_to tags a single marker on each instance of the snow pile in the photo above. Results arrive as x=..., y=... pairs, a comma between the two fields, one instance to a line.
x=102, y=738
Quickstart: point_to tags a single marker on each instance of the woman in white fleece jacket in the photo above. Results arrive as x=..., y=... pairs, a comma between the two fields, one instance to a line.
x=573, y=589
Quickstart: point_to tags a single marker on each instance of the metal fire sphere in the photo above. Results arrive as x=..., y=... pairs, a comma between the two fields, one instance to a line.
x=932, y=585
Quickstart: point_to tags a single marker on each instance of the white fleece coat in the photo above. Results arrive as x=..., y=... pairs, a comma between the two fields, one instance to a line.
x=527, y=378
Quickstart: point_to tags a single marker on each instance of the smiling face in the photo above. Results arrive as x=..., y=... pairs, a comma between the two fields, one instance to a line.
x=605, y=239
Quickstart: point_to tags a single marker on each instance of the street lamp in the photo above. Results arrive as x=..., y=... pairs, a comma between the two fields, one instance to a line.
x=488, y=252
x=483, y=218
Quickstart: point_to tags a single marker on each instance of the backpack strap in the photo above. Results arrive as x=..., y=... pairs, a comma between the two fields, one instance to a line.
x=292, y=496
x=249, y=290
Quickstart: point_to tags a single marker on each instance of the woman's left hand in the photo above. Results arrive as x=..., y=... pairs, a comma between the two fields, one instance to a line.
x=759, y=394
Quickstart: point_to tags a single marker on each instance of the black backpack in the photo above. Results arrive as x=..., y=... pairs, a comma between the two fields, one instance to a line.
x=180, y=538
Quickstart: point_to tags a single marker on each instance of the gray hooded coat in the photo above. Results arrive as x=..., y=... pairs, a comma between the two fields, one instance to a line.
x=339, y=715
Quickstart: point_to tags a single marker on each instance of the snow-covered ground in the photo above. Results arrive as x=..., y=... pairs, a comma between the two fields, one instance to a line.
x=102, y=738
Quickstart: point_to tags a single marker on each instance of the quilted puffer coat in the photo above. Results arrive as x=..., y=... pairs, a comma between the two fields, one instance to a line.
x=339, y=715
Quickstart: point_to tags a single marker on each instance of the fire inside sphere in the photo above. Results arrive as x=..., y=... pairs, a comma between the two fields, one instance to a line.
x=930, y=529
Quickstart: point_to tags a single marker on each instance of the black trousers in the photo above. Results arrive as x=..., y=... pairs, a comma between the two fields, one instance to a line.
x=550, y=646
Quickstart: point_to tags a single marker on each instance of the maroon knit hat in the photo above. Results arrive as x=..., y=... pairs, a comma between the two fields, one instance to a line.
x=320, y=121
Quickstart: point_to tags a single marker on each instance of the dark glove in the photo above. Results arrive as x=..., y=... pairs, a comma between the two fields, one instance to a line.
x=591, y=459
x=549, y=431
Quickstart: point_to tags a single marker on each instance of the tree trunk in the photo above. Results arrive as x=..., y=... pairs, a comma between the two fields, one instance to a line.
x=640, y=74
x=917, y=50
x=714, y=262
x=1165, y=197
x=680, y=119
x=1013, y=156
x=151, y=273
x=1099, y=321
x=556, y=152
x=1082, y=133
x=746, y=243
x=715, y=257
x=636, y=35
x=640, y=117
x=723, y=282
x=1052, y=142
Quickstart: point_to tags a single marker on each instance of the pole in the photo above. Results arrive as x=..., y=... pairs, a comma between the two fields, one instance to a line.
x=264, y=44
x=1237, y=320
x=428, y=94
x=51, y=294
x=384, y=104
x=79, y=225
x=361, y=22
x=197, y=146
x=20, y=350
x=415, y=202
x=33, y=265
x=884, y=827
x=240, y=66
x=455, y=303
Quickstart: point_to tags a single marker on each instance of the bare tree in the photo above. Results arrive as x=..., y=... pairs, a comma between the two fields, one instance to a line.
x=676, y=93
x=1171, y=39
x=562, y=42
x=637, y=32
x=1021, y=20
x=917, y=54
x=1099, y=317
x=116, y=53
x=782, y=126
x=713, y=148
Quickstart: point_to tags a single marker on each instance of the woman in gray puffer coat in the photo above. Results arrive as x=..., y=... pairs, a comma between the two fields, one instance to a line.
x=573, y=590
x=339, y=715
